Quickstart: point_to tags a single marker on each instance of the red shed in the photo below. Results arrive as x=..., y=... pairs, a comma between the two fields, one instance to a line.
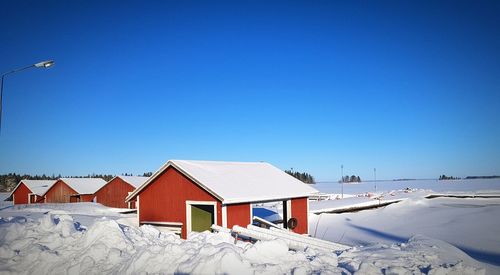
x=187, y=196
x=73, y=190
x=30, y=191
x=113, y=194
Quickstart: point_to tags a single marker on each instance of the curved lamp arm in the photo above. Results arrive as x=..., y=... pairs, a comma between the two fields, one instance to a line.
x=43, y=64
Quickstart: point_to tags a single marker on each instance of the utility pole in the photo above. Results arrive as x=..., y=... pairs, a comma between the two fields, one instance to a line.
x=342, y=180
x=375, y=176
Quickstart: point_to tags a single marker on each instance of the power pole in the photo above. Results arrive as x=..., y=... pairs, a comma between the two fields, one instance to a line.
x=342, y=180
x=375, y=176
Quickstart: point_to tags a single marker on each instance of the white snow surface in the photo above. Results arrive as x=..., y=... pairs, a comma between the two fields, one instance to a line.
x=85, y=185
x=135, y=181
x=89, y=238
x=236, y=182
x=469, y=224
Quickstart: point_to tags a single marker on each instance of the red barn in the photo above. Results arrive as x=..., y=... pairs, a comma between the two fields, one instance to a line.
x=30, y=191
x=186, y=196
x=113, y=194
x=73, y=190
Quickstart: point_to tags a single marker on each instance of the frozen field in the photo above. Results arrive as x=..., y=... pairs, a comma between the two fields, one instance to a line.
x=417, y=235
x=88, y=238
x=435, y=185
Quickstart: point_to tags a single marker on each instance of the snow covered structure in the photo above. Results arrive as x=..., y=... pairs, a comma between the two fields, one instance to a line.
x=30, y=191
x=114, y=192
x=187, y=196
x=73, y=190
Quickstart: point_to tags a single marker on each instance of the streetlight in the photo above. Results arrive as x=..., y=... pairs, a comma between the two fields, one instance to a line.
x=43, y=64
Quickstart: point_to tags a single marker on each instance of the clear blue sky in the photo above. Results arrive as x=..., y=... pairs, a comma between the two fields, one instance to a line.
x=411, y=88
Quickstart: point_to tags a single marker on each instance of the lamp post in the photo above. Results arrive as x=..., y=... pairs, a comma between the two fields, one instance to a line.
x=43, y=64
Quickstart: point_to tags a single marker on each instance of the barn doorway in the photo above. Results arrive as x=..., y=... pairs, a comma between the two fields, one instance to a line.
x=200, y=216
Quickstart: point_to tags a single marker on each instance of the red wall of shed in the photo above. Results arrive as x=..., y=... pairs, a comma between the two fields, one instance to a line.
x=299, y=211
x=21, y=194
x=164, y=200
x=113, y=194
x=87, y=198
x=238, y=214
x=60, y=192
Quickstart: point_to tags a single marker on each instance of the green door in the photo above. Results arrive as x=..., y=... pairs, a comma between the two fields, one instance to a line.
x=202, y=217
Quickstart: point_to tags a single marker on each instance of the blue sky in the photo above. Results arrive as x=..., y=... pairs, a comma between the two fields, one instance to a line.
x=411, y=88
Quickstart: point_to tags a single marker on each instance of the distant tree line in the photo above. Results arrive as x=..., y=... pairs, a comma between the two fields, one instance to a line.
x=9, y=181
x=304, y=177
x=445, y=177
x=482, y=177
x=352, y=178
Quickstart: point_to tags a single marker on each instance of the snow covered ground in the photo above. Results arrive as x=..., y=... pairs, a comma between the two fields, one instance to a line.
x=417, y=235
x=53, y=241
x=471, y=185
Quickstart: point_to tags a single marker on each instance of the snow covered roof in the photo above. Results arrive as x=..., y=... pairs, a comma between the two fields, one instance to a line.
x=84, y=185
x=38, y=187
x=135, y=181
x=237, y=182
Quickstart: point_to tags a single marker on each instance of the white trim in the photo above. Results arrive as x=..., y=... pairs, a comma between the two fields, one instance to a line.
x=29, y=197
x=188, y=212
x=171, y=163
x=251, y=213
x=224, y=215
x=163, y=223
x=137, y=207
x=288, y=209
x=128, y=202
x=307, y=215
x=13, y=199
x=161, y=170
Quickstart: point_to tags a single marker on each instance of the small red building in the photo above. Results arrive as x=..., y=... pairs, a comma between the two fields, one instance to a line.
x=187, y=196
x=113, y=193
x=30, y=191
x=66, y=190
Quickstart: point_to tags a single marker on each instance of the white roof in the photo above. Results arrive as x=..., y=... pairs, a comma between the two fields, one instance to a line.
x=236, y=182
x=85, y=185
x=135, y=181
x=38, y=187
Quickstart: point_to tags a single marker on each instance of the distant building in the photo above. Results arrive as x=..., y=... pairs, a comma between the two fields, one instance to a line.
x=113, y=193
x=30, y=191
x=186, y=196
x=73, y=190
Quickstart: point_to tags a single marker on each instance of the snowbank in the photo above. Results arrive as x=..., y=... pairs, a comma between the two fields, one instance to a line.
x=54, y=243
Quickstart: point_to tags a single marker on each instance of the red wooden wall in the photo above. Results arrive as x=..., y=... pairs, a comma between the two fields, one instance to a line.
x=238, y=214
x=37, y=199
x=87, y=198
x=164, y=200
x=21, y=194
x=299, y=211
x=113, y=194
x=59, y=192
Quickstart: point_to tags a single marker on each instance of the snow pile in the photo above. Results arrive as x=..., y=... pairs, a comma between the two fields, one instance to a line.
x=419, y=255
x=56, y=244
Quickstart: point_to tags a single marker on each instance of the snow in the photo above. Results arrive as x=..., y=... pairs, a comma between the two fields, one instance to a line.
x=3, y=197
x=433, y=184
x=135, y=181
x=236, y=182
x=469, y=224
x=38, y=187
x=54, y=239
x=84, y=185
x=416, y=235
